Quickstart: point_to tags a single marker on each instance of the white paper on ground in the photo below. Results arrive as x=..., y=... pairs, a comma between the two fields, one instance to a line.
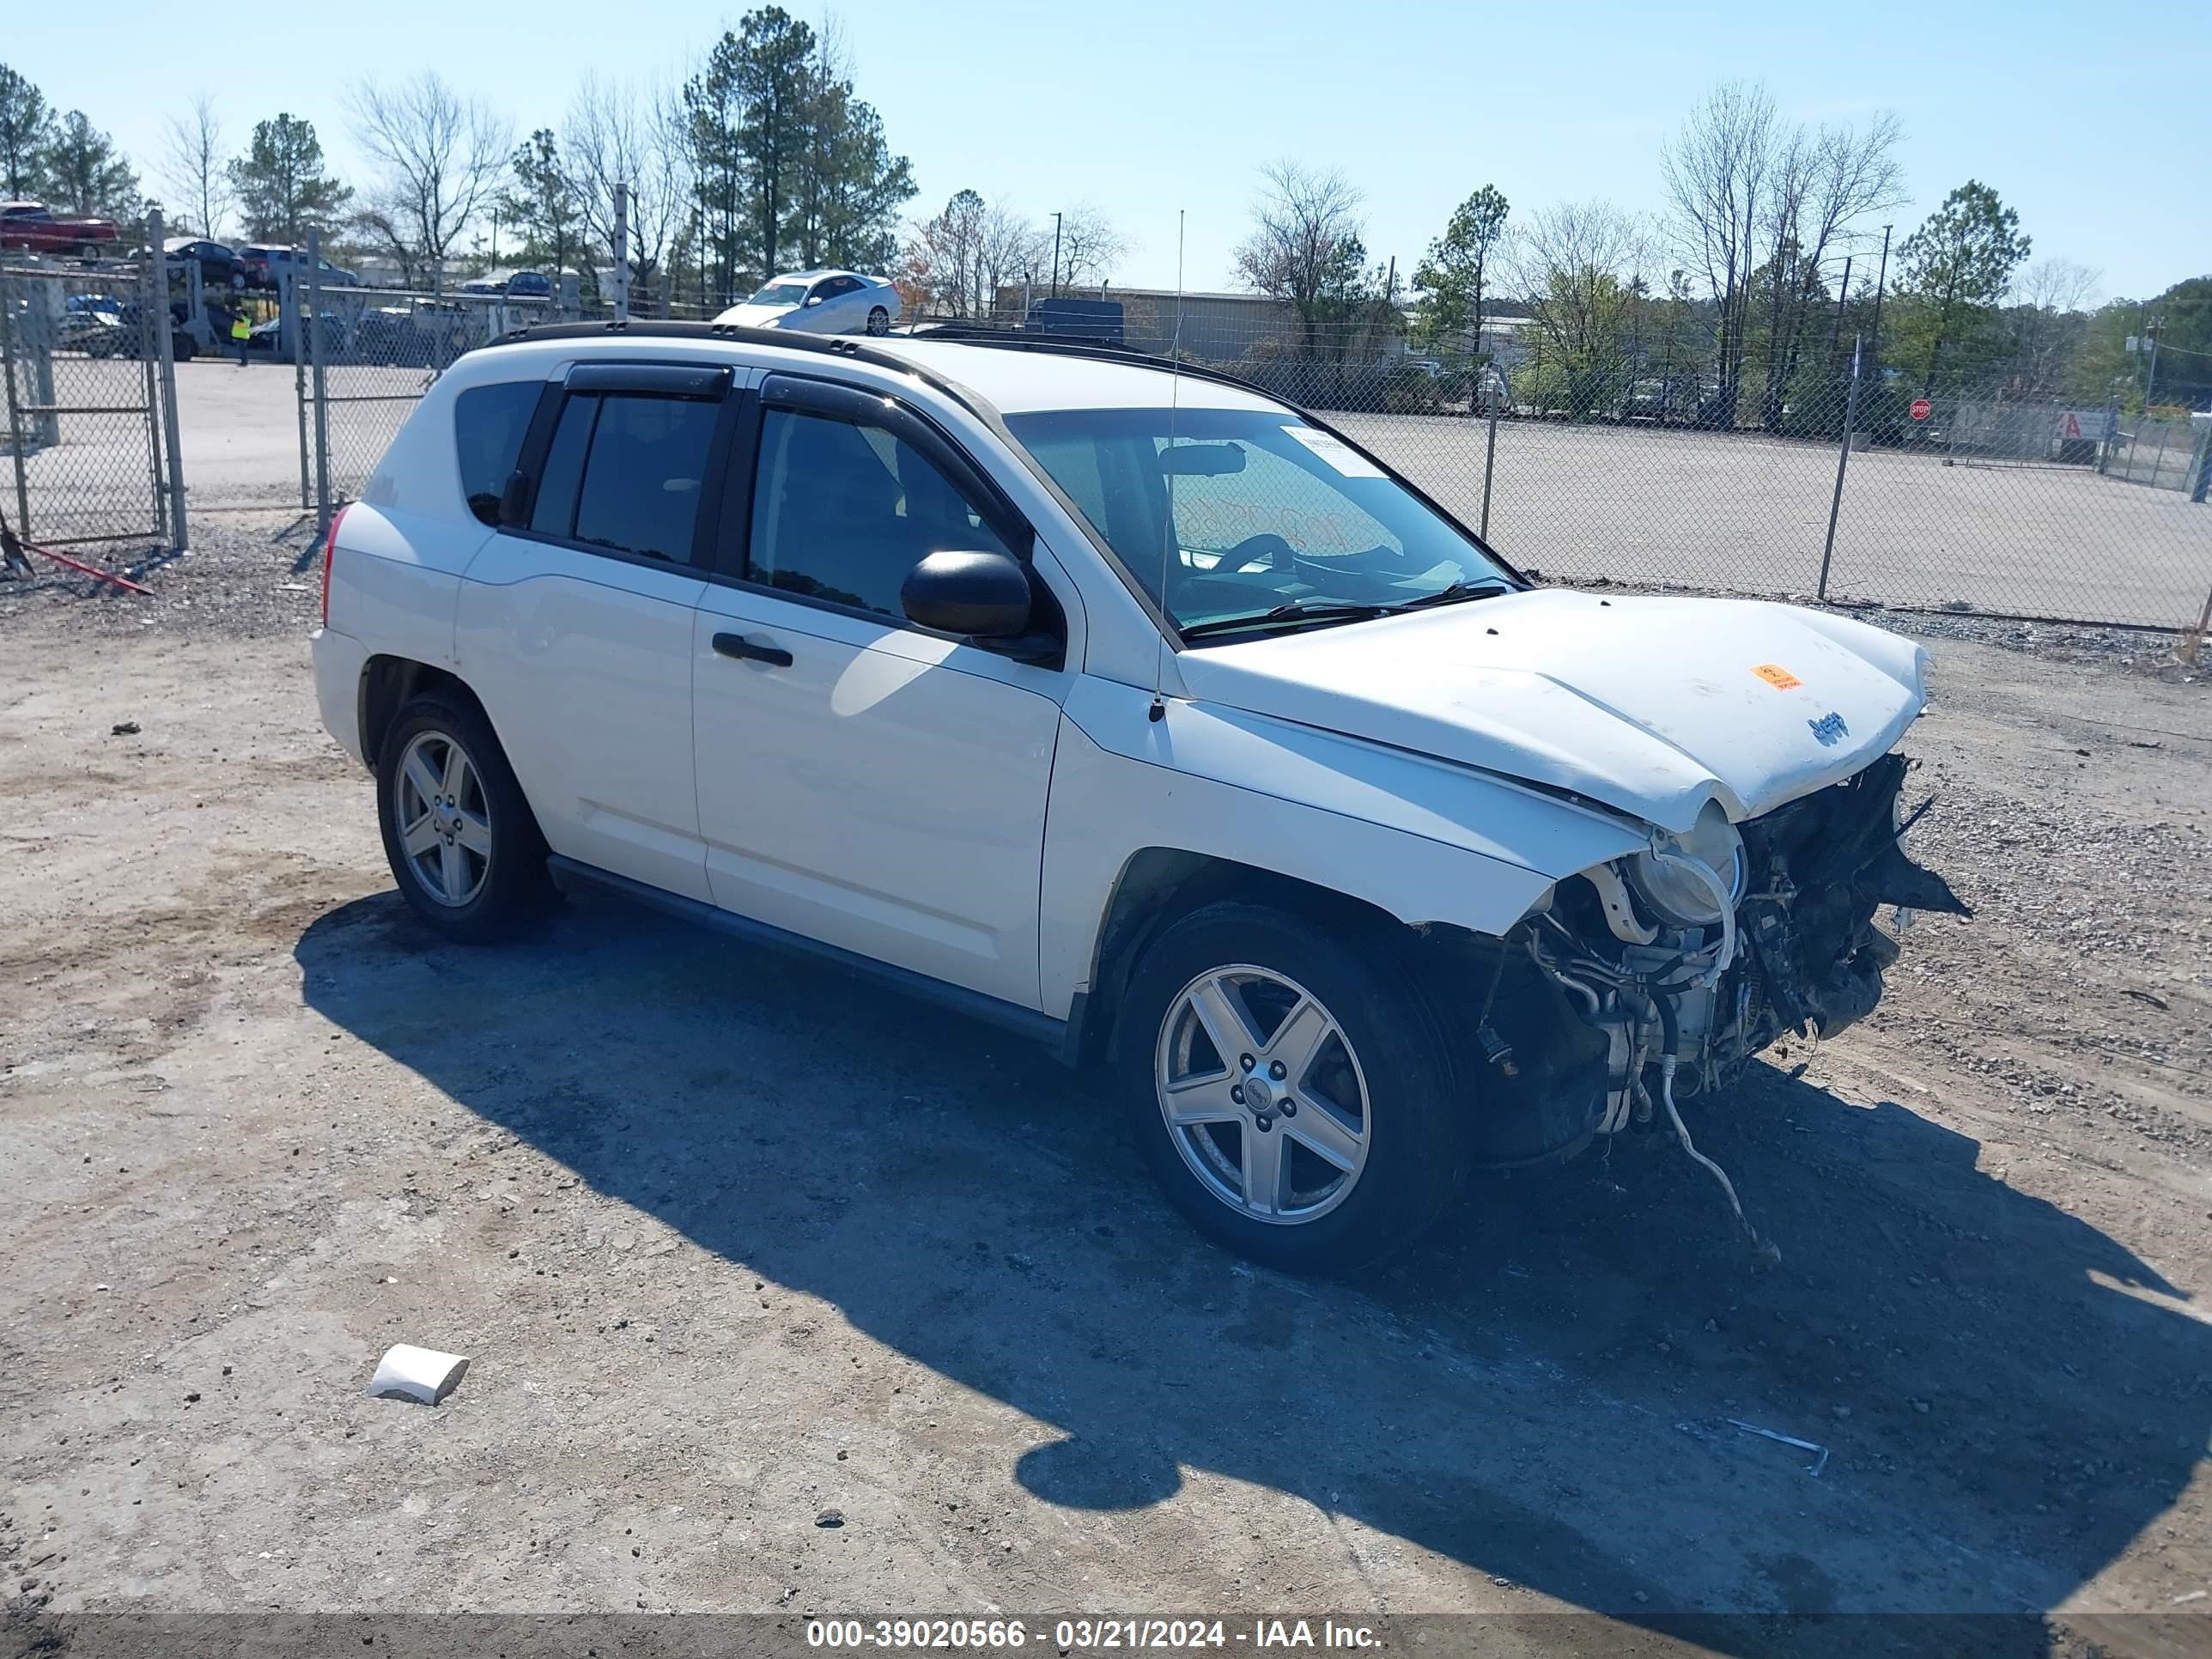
x=407, y=1373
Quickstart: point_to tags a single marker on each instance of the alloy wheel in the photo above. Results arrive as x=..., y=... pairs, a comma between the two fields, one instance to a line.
x=444, y=819
x=1262, y=1094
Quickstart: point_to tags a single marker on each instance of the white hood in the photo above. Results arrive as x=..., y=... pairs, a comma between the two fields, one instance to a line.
x=753, y=316
x=1651, y=705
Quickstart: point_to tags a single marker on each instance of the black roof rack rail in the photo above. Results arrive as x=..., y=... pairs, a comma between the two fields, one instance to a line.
x=1063, y=344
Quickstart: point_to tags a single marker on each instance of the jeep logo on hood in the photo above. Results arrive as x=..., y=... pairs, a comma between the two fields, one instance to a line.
x=1829, y=729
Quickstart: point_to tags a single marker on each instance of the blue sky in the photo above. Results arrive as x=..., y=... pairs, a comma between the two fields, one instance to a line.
x=2078, y=114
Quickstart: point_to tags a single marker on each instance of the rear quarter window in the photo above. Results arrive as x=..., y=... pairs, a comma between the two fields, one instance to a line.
x=489, y=423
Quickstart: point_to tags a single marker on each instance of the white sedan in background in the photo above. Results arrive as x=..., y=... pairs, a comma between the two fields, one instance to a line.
x=820, y=303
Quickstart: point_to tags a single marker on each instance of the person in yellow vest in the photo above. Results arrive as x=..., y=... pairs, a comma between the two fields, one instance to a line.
x=241, y=330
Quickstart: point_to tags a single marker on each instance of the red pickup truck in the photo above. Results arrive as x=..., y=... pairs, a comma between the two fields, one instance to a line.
x=32, y=225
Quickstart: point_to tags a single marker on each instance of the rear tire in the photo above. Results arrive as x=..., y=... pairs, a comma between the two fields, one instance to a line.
x=879, y=321
x=1331, y=1136
x=462, y=844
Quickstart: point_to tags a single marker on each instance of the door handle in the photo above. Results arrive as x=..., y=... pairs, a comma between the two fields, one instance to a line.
x=737, y=645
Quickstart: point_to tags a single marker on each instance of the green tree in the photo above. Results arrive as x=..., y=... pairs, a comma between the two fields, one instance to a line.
x=792, y=167
x=849, y=188
x=86, y=173
x=283, y=190
x=25, y=119
x=1953, y=271
x=774, y=73
x=543, y=204
x=1450, y=278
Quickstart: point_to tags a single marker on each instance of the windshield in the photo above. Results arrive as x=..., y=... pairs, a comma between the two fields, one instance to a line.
x=780, y=294
x=1268, y=515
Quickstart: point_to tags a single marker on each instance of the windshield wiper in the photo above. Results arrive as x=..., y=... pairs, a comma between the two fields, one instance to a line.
x=1282, y=616
x=1454, y=594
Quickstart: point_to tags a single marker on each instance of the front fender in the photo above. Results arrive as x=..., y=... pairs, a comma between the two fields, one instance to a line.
x=1423, y=841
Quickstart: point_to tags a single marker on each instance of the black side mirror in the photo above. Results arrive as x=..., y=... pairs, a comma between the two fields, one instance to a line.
x=514, y=498
x=985, y=596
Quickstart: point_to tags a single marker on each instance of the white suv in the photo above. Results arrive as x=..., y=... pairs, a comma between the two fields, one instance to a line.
x=1131, y=709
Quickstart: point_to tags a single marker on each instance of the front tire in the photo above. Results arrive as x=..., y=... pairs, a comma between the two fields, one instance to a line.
x=462, y=842
x=1288, y=1087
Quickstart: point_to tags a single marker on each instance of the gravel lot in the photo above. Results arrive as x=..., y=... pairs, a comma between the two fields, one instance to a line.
x=735, y=1243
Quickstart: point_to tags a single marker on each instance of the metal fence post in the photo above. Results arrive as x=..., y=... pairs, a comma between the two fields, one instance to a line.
x=2199, y=481
x=315, y=327
x=622, y=250
x=179, y=526
x=1490, y=384
x=289, y=330
x=1843, y=461
x=9, y=366
x=153, y=326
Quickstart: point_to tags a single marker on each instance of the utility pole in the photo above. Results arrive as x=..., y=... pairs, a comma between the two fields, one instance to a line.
x=1843, y=299
x=2150, y=379
x=1055, y=256
x=1874, y=334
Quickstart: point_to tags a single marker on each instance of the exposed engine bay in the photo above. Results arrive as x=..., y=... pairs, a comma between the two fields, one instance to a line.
x=1681, y=962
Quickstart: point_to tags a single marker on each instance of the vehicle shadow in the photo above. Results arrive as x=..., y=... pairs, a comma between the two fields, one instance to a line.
x=1550, y=1397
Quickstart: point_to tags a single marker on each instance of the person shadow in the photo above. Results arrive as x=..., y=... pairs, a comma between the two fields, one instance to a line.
x=1562, y=1394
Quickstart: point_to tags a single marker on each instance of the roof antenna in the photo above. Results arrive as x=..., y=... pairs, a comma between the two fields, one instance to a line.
x=1169, y=552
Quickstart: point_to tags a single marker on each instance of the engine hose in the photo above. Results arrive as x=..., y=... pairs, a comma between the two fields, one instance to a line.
x=1712, y=884
x=1764, y=1249
x=1670, y=1029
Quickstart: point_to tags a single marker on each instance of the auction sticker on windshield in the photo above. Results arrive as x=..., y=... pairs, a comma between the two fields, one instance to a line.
x=1348, y=462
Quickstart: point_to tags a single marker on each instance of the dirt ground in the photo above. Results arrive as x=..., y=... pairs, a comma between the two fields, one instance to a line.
x=733, y=1243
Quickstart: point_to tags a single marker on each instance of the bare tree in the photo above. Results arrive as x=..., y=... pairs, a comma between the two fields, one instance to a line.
x=1716, y=170
x=2049, y=322
x=637, y=136
x=441, y=159
x=1305, y=248
x=956, y=262
x=194, y=166
x=1090, y=246
x=1580, y=269
x=1821, y=184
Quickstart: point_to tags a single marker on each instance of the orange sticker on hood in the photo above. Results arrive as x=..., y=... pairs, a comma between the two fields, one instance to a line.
x=1778, y=677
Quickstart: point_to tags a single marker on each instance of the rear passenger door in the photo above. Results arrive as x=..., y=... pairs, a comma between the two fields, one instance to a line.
x=575, y=620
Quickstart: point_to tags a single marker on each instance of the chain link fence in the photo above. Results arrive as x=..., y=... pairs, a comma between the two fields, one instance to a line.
x=365, y=356
x=1637, y=462
x=1834, y=479
x=86, y=361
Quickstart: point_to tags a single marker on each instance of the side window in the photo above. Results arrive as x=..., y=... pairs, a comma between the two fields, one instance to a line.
x=489, y=423
x=838, y=287
x=626, y=473
x=842, y=511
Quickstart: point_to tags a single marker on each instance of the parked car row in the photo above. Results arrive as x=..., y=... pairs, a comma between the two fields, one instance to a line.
x=519, y=285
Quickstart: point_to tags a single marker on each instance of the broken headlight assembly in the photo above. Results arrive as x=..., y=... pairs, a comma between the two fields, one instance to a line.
x=1692, y=880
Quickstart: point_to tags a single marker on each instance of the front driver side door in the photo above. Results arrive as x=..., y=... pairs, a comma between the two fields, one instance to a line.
x=861, y=782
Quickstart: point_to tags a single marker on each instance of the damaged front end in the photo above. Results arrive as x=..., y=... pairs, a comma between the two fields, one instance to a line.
x=1689, y=958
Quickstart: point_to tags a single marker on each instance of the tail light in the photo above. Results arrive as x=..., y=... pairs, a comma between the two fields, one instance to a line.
x=329, y=553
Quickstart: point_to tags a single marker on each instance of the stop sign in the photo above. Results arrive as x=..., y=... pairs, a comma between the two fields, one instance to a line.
x=1921, y=410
